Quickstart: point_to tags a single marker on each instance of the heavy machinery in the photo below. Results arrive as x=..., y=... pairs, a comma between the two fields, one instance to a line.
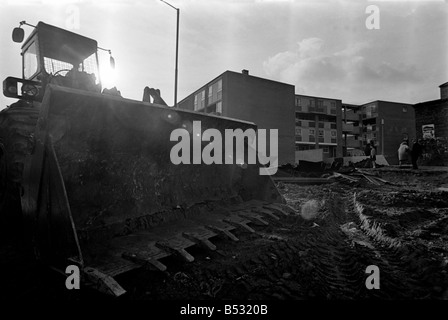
x=88, y=176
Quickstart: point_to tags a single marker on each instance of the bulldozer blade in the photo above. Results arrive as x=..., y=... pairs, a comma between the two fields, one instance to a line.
x=100, y=186
x=143, y=260
x=102, y=282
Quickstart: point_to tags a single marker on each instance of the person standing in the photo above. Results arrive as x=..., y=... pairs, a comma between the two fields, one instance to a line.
x=416, y=152
x=403, y=152
x=373, y=153
x=367, y=149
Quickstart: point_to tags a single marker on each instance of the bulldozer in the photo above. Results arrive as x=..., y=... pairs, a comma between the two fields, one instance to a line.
x=86, y=175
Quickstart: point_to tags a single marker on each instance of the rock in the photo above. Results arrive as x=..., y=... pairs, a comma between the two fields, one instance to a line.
x=286, y=275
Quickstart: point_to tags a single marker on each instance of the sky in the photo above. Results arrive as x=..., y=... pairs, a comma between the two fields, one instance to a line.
x=322, y=47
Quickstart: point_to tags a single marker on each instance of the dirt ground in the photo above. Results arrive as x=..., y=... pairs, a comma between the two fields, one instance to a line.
x=322, y=252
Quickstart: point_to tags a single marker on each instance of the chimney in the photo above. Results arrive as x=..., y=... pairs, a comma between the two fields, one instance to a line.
x=444, y=91
x=246, y=72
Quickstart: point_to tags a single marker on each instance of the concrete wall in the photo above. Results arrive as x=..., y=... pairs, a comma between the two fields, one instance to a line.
x=313, y=155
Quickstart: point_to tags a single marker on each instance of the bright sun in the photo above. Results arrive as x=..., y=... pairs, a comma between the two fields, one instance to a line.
x=108, y=76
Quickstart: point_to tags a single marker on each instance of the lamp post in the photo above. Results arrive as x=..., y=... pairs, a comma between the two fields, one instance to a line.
x=382, y=137
x=177, y=52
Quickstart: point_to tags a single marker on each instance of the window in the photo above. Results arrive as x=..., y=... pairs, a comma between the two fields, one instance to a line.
x=326, y=150
x=333, y=140
x=312, y=124
x=215, y=92
x=219, y=107
x=312, y=139
x=298, y=132
x=298, y=102
x=320, y=103
x=210, y=94
x=333, y=126
x=320, y=106
x=321, y=133
x=30, y=61
x=405, y=109
x=219, y=91
x=333, y=133
x=312, y=132
x=312, y=105
x=321, y=139
x=321, y=125
x=332, y=107
x=199, y=100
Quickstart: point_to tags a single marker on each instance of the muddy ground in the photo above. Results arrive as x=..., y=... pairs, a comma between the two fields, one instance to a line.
x=320, y=253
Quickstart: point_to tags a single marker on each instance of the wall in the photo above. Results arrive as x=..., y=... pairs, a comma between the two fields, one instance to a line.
x=432, y=112
x=397, y=125
x=269, y=104
x=313, y=155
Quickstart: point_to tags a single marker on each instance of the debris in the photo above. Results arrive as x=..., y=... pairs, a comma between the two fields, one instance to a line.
x=181, y=277
x=358, y=176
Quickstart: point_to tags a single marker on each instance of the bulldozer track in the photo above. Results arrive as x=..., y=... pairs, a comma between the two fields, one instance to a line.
x=292, y=258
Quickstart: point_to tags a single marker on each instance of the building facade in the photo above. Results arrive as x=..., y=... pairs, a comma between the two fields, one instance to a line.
x=387, y=124
x=318, y=126
x=352, y=130
x=431, y=117
x=269, y=104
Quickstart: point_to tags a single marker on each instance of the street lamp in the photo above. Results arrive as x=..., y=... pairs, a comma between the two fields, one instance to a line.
x=382, y=137
x=177, y=52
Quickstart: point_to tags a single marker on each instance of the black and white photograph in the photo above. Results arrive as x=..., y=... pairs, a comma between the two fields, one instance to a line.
x=231, y=157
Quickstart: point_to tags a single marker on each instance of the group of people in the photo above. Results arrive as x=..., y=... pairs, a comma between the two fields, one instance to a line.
x=403, y=152
x=415, y=152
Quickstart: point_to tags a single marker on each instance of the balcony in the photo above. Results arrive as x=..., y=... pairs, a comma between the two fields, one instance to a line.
x=350, y=128
x=351, y=116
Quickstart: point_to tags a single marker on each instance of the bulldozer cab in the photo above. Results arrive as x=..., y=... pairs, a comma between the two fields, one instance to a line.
x=54, y=55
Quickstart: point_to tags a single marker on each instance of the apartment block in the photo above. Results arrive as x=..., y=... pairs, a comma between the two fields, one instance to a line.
x=318, y=125
x=387, y=124
x=269, y=104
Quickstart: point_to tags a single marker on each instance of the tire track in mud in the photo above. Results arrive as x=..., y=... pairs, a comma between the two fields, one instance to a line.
x=295, y=258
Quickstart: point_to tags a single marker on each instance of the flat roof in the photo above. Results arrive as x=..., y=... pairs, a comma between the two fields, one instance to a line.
x=401, y=103
x=426, y=103
x=304, y=95
x=234, y=72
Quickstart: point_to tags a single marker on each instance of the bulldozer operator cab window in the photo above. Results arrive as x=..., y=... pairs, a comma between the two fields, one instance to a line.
x=30, y=61
x=88, y=65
